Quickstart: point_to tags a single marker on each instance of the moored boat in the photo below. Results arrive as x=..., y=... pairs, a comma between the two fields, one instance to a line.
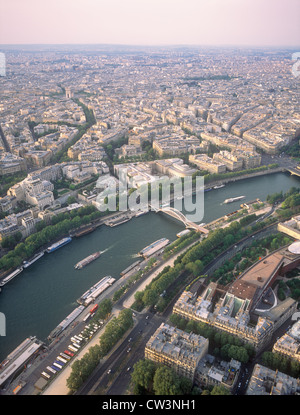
x=58, y=245
x=26, y=264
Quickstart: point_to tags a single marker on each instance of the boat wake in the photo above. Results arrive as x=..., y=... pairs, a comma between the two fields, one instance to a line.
x=110, y=247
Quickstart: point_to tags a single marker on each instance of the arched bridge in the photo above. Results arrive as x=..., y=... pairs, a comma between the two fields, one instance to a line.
x=174, y=213
x=293, y=171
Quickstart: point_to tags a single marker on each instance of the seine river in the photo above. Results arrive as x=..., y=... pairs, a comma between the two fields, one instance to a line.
x=38, y=299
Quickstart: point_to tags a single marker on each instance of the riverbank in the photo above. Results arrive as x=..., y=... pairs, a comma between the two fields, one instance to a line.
x=169, y=262
x=106, y=218
x=51, y=285
x=244, y=177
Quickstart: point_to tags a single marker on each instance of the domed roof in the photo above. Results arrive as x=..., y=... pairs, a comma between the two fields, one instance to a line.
x=294, y=248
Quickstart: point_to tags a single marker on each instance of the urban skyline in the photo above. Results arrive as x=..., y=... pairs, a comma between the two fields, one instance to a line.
x=119, y=133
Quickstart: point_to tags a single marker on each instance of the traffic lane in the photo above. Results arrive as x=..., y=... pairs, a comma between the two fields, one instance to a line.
x=106, y=365
x=242, y=382
x=114, y=361
x=141, y=334
x=127, y=359
x=248, y=368
x=122, y=382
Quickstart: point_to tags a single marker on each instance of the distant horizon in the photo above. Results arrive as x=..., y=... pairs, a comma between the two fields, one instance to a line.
x=175, y=45
x=153, y=23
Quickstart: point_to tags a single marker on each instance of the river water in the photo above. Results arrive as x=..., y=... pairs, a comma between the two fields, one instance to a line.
x=39, y=298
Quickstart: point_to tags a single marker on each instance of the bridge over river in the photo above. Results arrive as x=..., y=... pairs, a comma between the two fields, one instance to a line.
x=293, y=171
x=175, y=213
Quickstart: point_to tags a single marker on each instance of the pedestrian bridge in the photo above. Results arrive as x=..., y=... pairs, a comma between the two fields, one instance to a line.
x=175, y=213
x=295, y=172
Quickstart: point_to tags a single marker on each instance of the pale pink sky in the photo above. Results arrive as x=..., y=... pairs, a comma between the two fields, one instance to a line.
x=146, y=22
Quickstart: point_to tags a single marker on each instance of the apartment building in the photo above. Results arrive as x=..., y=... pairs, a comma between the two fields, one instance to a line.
x=291, y=227
x=289, y=344
x=174, y=146
x=128, y=150
x=38, y=158
x=265, y=381
x=251, y=159
x=213, y=372
x=173, y=167
x=10, y=163
x=232, y=161
x=203, y=162
x=176, y=349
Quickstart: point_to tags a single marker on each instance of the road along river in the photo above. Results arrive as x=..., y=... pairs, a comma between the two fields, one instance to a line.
x=39, y=298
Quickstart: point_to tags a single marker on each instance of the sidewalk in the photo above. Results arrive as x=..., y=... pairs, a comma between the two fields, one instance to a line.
x=170, y=262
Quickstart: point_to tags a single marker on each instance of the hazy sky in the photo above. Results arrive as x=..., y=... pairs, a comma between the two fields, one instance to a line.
x=151, y=22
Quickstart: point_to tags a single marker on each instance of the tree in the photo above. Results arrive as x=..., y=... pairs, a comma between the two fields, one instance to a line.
x=20, y=250
x=175, y=319
x=75, y=380
x=228, y=240
x=185, y=385
x=104, y=309
x=238, y=353
x=191, y=326
x=71, y=199
x=295, y=368
x=40, y=225
x=8, y=242
x=267, y=359
x=143, y=373
x=166, y=382
x=195, y=267
x=138, y=296
x=220, y=390
x=225, y=351
x=150, y=297
x=217, y=338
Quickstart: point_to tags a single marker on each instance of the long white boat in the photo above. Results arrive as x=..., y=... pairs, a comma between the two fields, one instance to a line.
x=234, y=199
x=26, y=264
x=154, y=247
x=140, y=213
x=93, y=292
x=182, y=233
x=11, y=276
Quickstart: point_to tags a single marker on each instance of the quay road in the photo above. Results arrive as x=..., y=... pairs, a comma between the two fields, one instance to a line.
x=117, y=381
x=32, y=374
x=113, y=376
